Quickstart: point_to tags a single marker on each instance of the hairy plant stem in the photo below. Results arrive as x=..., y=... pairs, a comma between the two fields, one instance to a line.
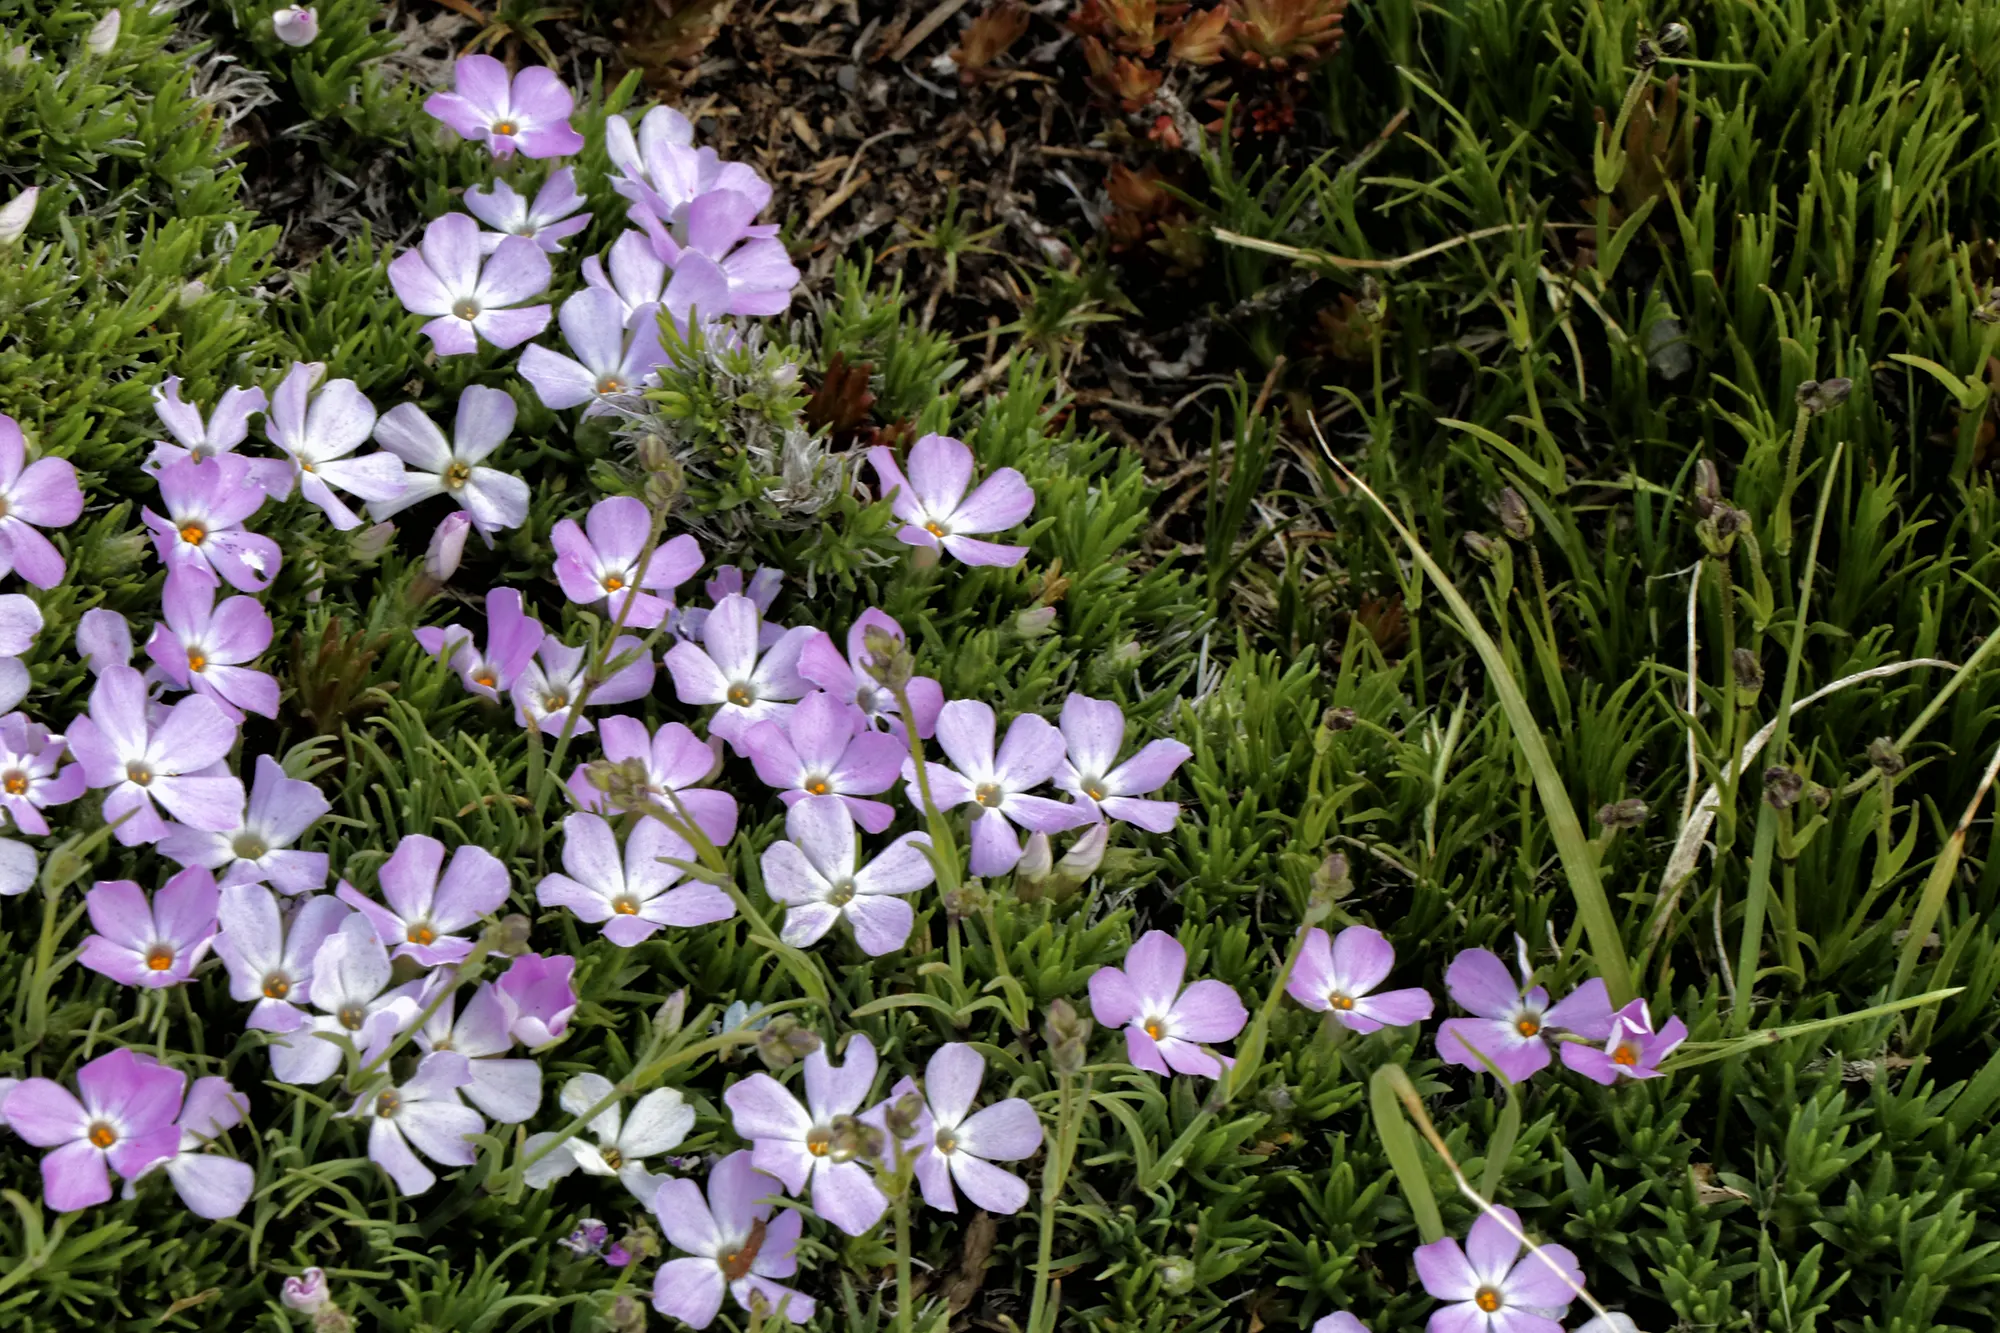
x=1069, y=1125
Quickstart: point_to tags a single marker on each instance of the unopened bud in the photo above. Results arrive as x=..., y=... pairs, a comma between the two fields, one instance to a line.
x=1818, y=795
x=1034, y=622
x=332, y=1319
x=1817, y=396
x=1483, y=546
x=1176, y=1275
x=19, y=211
x=669, y=1017
x=1037, y=860
x=307, y=1293
x=193, y=291
x=1673, y=39
x=1748, y=674
x=371, y=541
x=447, y=546
x=626, y=1315
x=1884, y=755
x=512, y=934
x=968, y=899
x=1782, y=787
x=1628, y=813
x=1339, y=719
x=783, y=1042
x=903, y=1115
x=886, y=658
x=854, y=1140
x=1068, y=1034
x=103, y=35
x=1718, y=532
x=1332, y=880
x=296, y=26
x=663, y=490
x=1080, y=862
x=1707, y=488
x=639, y=1242
x=1514, y=516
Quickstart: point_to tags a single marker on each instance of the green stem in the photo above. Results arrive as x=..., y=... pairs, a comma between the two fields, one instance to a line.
x=1781, y=517
x=1068, y=1127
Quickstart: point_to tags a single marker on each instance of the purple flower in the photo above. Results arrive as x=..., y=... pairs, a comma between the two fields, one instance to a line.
x=512, y=639
x=447, y=546
x=305, y=1293
x=32, y=774
x=41, y=494
x=202, y=646
x=637, y=277
x=638, y=895
x=529, y=112
x=1095, y=731
x=658, y=1123
x=1489, y=1291
x=818, y=877
x=599, y=562
x=718, y=229
x=1166, y=1026
x=663, y=172
x=540, y=996
x=738, y=1247
x=318, y=432
x=423, y=912
x=124, y=1121
x=728, y=581
x=444, y=277
x=509, y=1090
x=1633, y=1049
x=955, y=1143
x=202, y=534
x=551, y=685
x=935, y=509
x=610, y=362
x=847, y=678
x=120, y=748
x=350, y=988
x=103, y=639
x=793, y=1142
x=729, y=668
x=423, y=1115
x=1339, y=1322
x=997, y=785
x=296, y=25
x=270, y=956
x=259, y=848
x=1513, y=1022
x=1338, y=976
x=547, y=222
x=495, y=500
x=154, y=944
x=675, y=760
x=228, y=426
x=818, y=751
x=210, y=1185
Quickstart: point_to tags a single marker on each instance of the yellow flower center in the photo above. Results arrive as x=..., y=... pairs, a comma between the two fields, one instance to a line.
x=352, y=1016
x=248, y=847
x=388, y=1104
x=612, y=583
x=819, y=1142
x=1094, y=790
x=1487, y=1300
x=457, y=474
x=612, y=1158
x=421, y=933
x=16, y=782
x=193, y=533
x=934, y=528
x=103, y=1135
x=610, y=384
x=555, y=703
x=505, y=127
x=196, y=661
x=740, y=696
x=989, y=795
x=160, y=957
x=817, y=786
x=139, y=773
x=625, y=905
x=467, y=309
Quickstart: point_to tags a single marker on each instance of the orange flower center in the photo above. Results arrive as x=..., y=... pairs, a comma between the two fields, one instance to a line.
x=989, y=795
x=486, y=678
x=1528, y=1027
x=612, y=583
x=1339, y=1001
x=277, y=986
x=193, y=533
x=196, y=661
x=1487, y=1300
x=139, y=773
x=103, y=1135
x=467, y=309
x=1626, y=1054
x=740, y=696
x=159, y=958
x=817, y=786
x=505, y=127
x=934, y=528
x=1156, y=1028
x=625, y=905
x=16, y=782
x=421, y=933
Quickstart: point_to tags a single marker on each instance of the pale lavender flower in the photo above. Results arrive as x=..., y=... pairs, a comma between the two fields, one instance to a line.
x=1339, y=976
x=996, y=784
x=19, y=211
x=151, y=944
x=550, y=685
x=662, y=171
x=737, y=1246
x=821, y=750
x=818, y=877
x=512, y=639
x=212, y=1186
x=1094, y=730
x=660, y=1120
x=495, y=500
x=103, y=639
x=540, y=996
x=124, y=1121
x=1633, y=1050
x=1513, y=1022
x=954, y=1143
x=318, y=432
x=270, y=955
x=424, y=912
x=296, y=25
x=636, y=276
x=258, y=850
x=1338, y=1322
x=201, y=646
x=599, y=562
x=729, y=668
x=635, y=895
x=507, y=1089
x=793, y=1141
x=610, y=361
x=41, y=494
x=445, y=278
x=1491, y=1286
x=447, y=546
x=423, y=1115
x=529, y=111
x=761, y=588
x=201, y=535
x=306, y=1293
x=20, y=623
x=32, y=774
x=350, y=987
x=675, y=761
x=548, y=221
x=227, y=426
x=18, y=869
x=719, y=226
x=847, y=678
x=935, y=509
x=1166, y=1026
x=120, y=748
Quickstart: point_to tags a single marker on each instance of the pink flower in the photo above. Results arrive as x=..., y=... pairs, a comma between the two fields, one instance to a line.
x=124, y=1122
x=530, y=111
x=270, y=956
x=512, y=640
x=32, y=774
x=551, y=685
x=425, y=913
x=935, y=509
x=507, y=1089
x=202, y=534
x=212, y=1186
x=1489, y=1291
x=120, y=748
x=819, y=878
x=1513, y=1022
x=599, y=562
x=817, y=751
x=732, y=670
x=469, y=298
x=610, y=361
x=792, y=1141
x=350, y=988
x=258, y=849
x=202, y=646
x=1338, y=976
x=228, y=426
x=848, y=680
x=41, y=494
x=154, y=944
x=635, y=895
x=954, y=1143
x=1094, y=730
x=659, y=1122
x=737, y=1246
x=996, y=784
x=539, y=996
x=1166, y=1026
x=1633, y=1050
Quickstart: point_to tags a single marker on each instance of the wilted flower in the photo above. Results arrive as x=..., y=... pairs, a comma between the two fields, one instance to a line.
x=817, y=751
x=1094, y=731
x=202, y=534
x=270, y=957
x=638, y=895
x=120, y=748
x=423, y=1115
x=549, y=221
x=509, y=1090
x=296, y=25
x=739, y=1247
x=1513, y=1022
x=1633, y=1050
x=1165, y=1025
x=818, y=877
x=151, y=944
x=305, y=1293
x=794, y=1142
x=530, y=111
x=1488, y=1291
x=467, y=298
x=424, y=912
x=350, y=988
x=512, y=639
x=552, y=684
x=953, y=1142
x=202, y=646
x=259, y=848
x=996, y=784
x=935, y=509
x=850, y=680
x=41, y=494
x=540, y=997
x=730, y=668
x=1338, y=976
x=494, y=500
x=599, y=562
x=658, y=1123
x=318, y=432
x=124, y=1121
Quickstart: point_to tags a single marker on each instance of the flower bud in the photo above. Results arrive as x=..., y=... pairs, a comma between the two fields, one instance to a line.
x=332, y=1319
x=447, y=545
x=626, y=1315
x=296, y=26
x=1037, y=861
x=1068, y=1035
x=968, y=899
x=669, y=1017
x=1673, y=39
x=1707, y=488
x=1782, y=787
x=1034, y=622
x=371, y=541
x=1514, y=516
x=19, y=211
x=1628, y=813
x=1339, y=719
x=305, y=1293
x=903, y=1115
x=1749, y=676
x=640, y=1242
x=1645, y=54
x=663, y=490
x=1817, y=396
x=1483, y=546
x=886, y=658
x=1176, y=1275
x=103, y=35
x=1086, y=854
x=1886, y=758
x=1331, y=881
x=511, y=935
x=854, y=1140
x=783, y=1042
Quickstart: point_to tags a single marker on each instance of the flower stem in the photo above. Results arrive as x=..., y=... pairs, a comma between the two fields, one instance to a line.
x=1068, y=1126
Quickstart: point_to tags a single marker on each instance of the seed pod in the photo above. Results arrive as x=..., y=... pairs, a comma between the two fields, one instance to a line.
x=783, y=1042
x=1782, y=787
x=1514, y=516
x=1886, y=758
x=1339, y=719
x=1749, y=675
x=1628, y=813
x=1483, y=546
x=1673, y=39
x=1817, y=396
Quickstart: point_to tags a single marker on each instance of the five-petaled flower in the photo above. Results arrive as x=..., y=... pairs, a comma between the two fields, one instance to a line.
x=599, y=562
x=821, y=749
x=658, y=1123
x=1491, y=1287
x=1338, y=976
x=996, y=784
x=635, y=895
x=121, y=748
x=259, y=848
x=1633, y=1050
x=123, y=1122
x=203, y=646
x=1094, y=731
x=529, y=111
x=737, y=1247
x=32, y=774
x=424, y=912
x=955, y=1144
x=797, y=1142
x=456, y=468
x=319, y=427
x=548, y=221
x=41, y=494
x=512, y=639
x=732, y=669
x=930, y=498
x=151, y=944
x=350, y=988
x=468, y=293
x=271, y=956
x=423, y=1115
x=201, y=535
x=817, y=874
x=1166, y=1026
x=1513, y=1022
